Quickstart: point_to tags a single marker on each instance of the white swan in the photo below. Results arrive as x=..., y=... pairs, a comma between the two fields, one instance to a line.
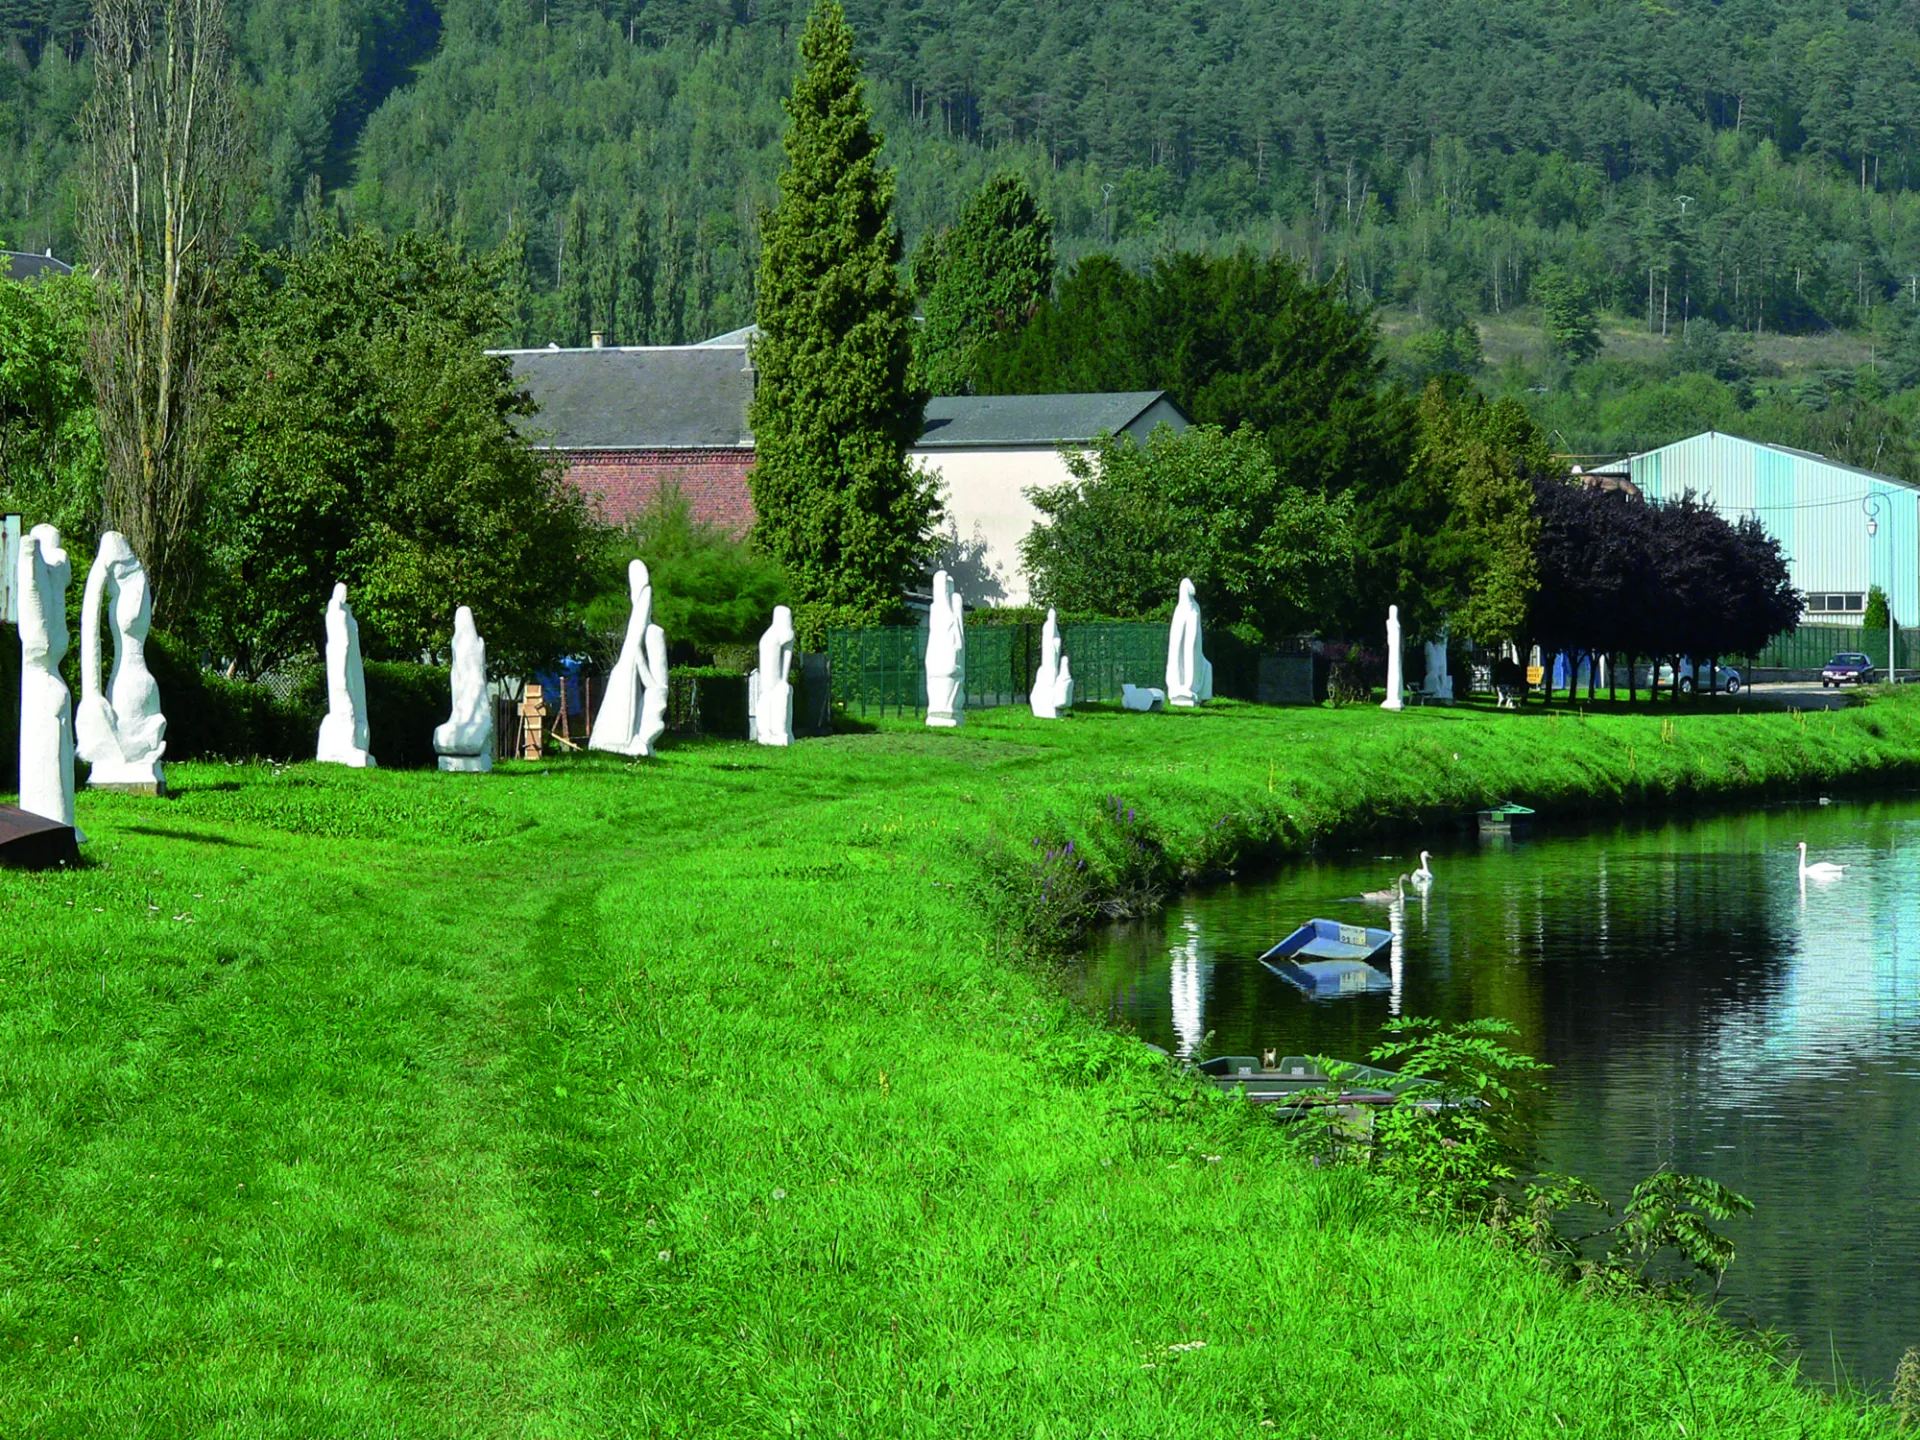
x=1820, y=869
x=1423, y=877
x=1388, y=897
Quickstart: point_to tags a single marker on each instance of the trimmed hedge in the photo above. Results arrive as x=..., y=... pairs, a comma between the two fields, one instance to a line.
x=404, y=704
x=704, y=700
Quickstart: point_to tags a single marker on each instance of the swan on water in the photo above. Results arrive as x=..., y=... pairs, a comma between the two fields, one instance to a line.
x=1388, y=897
x=1820, y=869
x=1423, y=877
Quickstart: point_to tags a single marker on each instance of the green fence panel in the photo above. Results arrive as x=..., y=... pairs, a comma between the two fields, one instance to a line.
x=1104, y=656
x=879, y=669
x=1810, y=646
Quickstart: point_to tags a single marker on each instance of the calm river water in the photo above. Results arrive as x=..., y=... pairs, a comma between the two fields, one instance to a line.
x=1699, y=1009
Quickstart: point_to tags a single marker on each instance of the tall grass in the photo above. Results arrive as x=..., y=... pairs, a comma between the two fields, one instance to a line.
x=718, y=1096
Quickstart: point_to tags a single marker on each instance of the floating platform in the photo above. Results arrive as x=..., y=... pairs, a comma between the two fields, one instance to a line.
x=33, y=842
x=1298, y=1080
x=1505, y=819
x=1329, y=957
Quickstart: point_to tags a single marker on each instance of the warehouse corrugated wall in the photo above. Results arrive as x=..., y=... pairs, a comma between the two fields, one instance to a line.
x=1815, y=508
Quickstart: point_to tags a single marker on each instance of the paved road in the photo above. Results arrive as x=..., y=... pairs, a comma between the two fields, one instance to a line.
x=1801, y=695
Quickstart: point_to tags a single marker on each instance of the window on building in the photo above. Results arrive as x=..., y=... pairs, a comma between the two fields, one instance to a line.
x=1831, y=603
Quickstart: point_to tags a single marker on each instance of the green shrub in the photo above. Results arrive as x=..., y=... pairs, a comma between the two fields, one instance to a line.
x=705, y=700
x=404, y=704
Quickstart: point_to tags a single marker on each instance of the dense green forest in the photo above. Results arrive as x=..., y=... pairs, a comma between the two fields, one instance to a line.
x=1753, y=162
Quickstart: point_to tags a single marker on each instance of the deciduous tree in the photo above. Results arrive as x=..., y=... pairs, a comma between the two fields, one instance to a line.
x=165, y=149
x=1268, y=558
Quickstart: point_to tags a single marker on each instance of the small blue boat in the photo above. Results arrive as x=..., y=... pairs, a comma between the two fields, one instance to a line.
x=1327, y=957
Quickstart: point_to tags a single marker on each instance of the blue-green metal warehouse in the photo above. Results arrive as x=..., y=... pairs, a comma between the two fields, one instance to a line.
x=1843, y=528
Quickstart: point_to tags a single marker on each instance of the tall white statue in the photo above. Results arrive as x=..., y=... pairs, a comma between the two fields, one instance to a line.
x=1189, y=672
x=616, y=728
x=769, y=691
x=119, y=729
x=1394, y=700
x=1439, y=683
x=465, y=742
x=46, y=705
x=343, y=734
x=1053, y=685
x=946, y=656
x=653, y=693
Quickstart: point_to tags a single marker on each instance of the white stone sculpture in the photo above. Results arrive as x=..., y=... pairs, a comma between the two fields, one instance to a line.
x=616, y=728
x=1053, y=685
x=1439, y=684
x=1141, y=697
x=946, y=656
x=465, y=743
x=769, y=690
x=118, y=730
x=1189, y=672
x=1394, y=700
x=653, y=692
x=343, y=734
x=46, y=705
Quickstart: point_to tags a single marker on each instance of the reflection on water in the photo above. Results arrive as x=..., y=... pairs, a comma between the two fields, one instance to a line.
x=1700, y=1006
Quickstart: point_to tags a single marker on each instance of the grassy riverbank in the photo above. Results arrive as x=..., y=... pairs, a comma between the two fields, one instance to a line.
x=712, y=1098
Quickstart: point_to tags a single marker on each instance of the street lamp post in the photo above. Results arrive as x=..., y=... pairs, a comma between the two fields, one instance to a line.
x=1871, y=504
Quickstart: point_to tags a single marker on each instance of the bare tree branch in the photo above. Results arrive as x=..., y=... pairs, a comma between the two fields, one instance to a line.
x=164, y=147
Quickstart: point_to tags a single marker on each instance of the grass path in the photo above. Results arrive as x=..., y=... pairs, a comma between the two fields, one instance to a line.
x=710, y=1098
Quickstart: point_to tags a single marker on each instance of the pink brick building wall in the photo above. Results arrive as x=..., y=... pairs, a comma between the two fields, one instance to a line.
x=622, y=482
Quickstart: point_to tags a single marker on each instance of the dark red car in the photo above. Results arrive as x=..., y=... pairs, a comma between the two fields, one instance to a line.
x=1844, y=667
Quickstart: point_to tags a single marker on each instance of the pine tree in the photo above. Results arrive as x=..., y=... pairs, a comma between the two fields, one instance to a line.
x=836, y=408
x=986, y=275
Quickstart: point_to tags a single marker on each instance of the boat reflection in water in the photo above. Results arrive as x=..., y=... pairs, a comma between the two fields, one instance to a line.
x=1699, y=1012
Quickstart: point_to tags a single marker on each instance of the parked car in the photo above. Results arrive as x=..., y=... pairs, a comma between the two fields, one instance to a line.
x=1729, y=678
x=1848, y=665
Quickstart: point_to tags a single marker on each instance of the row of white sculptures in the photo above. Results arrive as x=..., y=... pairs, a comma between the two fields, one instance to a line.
x=120, y=729
x=1189, y=672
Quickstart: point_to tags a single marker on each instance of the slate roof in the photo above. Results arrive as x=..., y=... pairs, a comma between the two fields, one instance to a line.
x=968, y=422
x=24, y=265
x=641, y=397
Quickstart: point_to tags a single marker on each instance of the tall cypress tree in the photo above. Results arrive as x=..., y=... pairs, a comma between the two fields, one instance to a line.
x=836, y=408
x=986, y=275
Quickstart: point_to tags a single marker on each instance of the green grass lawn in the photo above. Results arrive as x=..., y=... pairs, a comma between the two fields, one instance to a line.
x=715, y=1097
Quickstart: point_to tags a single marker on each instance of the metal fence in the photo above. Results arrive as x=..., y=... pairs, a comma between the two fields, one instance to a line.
x=882, y=669
x=1811, y=646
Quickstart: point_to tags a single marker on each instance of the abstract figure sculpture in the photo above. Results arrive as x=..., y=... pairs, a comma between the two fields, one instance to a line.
x=343, y=734
x=653, y=692
x=616, y=728
x=1053, y=685
x=1439, y=684
x=1394, y=700
x=465, y=742
x=1142, y=698
x=946, y=656
x=1189, y=672
x=118, y=730
x=46, y=705
x=769, y=691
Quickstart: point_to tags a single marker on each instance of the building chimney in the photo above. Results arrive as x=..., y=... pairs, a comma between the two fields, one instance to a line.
x=599, y=339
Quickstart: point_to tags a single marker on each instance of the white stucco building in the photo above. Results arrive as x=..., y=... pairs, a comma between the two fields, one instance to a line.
x=990, y=449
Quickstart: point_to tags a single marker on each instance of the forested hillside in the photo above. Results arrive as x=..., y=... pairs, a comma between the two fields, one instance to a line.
x=1751, y=161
